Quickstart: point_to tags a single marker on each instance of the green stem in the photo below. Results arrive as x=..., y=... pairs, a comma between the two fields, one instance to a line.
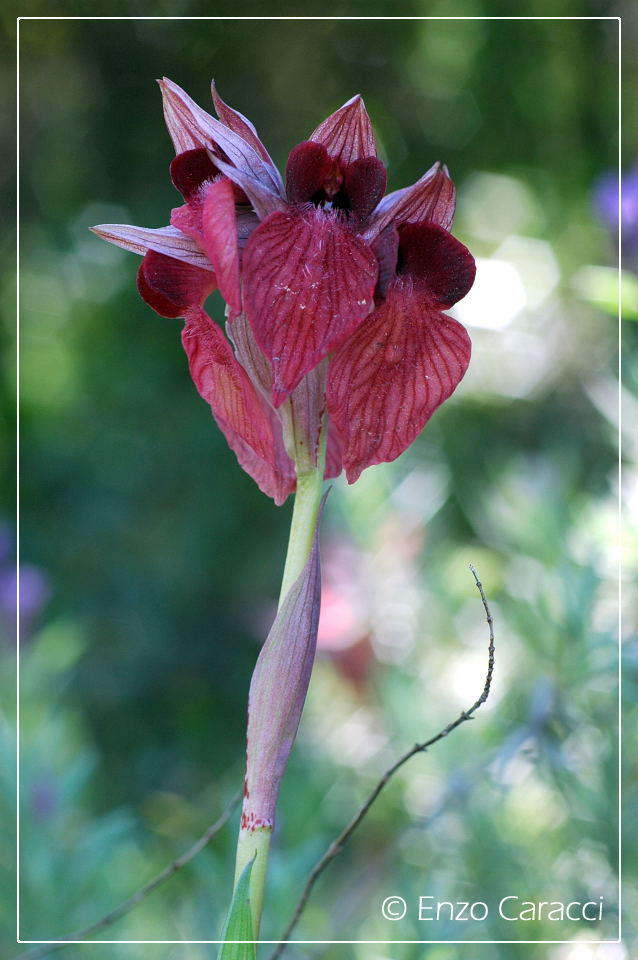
x=302, y=528
x=255, y=844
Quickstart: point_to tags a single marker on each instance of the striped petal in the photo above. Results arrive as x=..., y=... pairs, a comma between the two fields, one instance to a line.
x=308, y=283
x=251, y=428
x=219, y=226
x=388, y=379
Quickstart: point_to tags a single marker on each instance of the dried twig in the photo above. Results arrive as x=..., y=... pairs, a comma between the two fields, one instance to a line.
x=337, y=845
x=42, y=950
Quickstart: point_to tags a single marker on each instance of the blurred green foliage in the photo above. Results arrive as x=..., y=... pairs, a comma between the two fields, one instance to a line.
x=162, y=559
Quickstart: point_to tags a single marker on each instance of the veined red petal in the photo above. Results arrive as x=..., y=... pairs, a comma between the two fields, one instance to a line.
x=223, y=382
x=388, y=379
x=436, y=262
x=167, y=240
x=209, y=219
x=364, y=181
x=307, y=168
x=308, y=283
x=347, y=134
x=219, y=229
x=276, y=481
x=433, y=197
x=250, y=427
x=171, y=287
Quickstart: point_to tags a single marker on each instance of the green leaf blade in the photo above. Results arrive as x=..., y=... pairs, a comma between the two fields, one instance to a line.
x=239, y=924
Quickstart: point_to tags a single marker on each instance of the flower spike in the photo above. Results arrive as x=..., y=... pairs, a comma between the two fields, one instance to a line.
x=334, y=292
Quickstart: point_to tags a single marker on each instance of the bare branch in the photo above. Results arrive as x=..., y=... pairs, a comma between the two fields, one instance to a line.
x=42, y=950
x=127, y=905
x=338, y=844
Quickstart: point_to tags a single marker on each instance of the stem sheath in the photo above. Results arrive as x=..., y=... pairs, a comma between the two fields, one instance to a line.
x=255, y=843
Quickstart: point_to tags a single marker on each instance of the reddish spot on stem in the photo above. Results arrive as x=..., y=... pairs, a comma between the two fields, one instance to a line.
x=251, y=823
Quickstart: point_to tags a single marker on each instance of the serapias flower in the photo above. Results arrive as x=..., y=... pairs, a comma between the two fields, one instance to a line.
x=335, y=292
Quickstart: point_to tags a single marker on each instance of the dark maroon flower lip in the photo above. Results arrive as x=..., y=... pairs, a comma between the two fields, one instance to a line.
x=335, y=289
x=313, y=176
x=436, y=263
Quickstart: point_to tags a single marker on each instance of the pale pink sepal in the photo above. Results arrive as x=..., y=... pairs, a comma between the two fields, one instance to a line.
x=190, y=127
x=263, y=198
x=432, y=198
x=347, y=133
x=167, y=240
x=241, y=125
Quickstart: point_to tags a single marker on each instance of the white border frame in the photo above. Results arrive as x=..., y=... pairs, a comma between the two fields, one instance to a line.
x=576, y=941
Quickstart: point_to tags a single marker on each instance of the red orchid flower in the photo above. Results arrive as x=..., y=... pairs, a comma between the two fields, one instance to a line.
x=335, y=293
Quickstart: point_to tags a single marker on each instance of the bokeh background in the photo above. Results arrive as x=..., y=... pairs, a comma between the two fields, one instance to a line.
x=151, y=563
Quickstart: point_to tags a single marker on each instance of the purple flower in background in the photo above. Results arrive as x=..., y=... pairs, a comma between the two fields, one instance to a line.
x=611, y=211
x=43, y=797
x=33, y=593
